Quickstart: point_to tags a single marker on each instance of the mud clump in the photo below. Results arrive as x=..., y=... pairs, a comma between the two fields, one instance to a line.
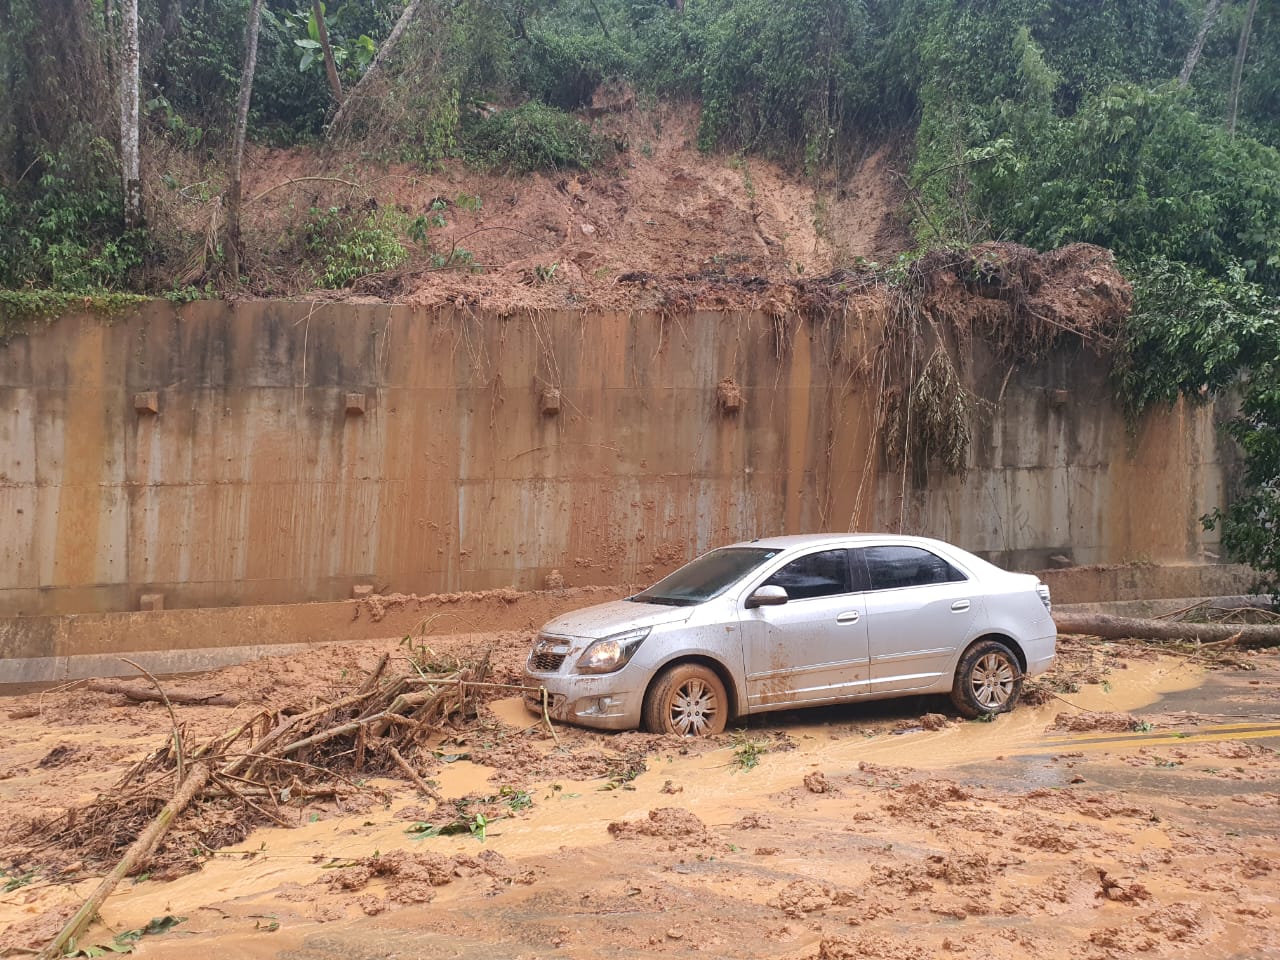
x=1046, y=837
x=63, y=753
x=1121, y=890
x=857, y=948
x=1090, y=721
x=916, y=800
x=728, y=396
x=672, y=824
x=962, y=868
x=1184, y=924
x=934, y=721
x=817, y=782
x=413, y=877
x=801, y=897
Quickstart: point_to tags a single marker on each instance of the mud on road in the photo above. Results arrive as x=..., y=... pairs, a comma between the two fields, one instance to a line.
x=1136, y=814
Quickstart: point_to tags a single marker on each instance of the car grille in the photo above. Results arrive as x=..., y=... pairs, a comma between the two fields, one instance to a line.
x=548, y=654
x=546, y=662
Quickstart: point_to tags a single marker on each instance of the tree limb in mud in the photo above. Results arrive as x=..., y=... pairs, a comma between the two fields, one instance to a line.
x=147, y=841
x=1126, y=628
x=142, y=694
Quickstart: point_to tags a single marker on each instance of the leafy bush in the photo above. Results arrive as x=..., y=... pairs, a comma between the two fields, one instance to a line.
x=1190, y=333
x=351, y=245
x=531, y=137
x=1251, y=523
x=1136, y=170
x=68, y=233
x=1195, y=335
x=563, y=69
x=776, y=74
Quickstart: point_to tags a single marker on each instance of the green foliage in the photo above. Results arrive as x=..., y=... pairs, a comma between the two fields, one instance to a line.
x=64, y=233
x=747, y=751
x=20, y=309
x=532, y=137
x=1136, y=170
x=125, y=941
x=349, y=245
x=1251, y=522
x=1193, y=335
x=1190, y=333
x=776, y=75
x=563, y=69
x=1095, y=45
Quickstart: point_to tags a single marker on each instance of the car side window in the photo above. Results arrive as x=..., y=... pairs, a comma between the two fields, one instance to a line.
x=822, y=574
x=893, y=567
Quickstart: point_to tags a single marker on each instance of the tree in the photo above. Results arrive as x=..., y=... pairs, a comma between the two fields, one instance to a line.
x=1211, y=12
x=1237, y=71
x=129, y=159
x=410, y=11
x=237, y=145
x=330, y=65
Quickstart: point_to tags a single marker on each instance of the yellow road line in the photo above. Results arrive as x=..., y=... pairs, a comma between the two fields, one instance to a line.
x=1212, y=735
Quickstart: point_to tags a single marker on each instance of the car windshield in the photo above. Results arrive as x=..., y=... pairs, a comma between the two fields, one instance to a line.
x=705, y=577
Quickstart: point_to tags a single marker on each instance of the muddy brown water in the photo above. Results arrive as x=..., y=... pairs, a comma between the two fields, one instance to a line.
x=868, y=836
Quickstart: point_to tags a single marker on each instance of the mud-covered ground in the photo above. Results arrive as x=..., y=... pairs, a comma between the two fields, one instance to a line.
x=1137, y=814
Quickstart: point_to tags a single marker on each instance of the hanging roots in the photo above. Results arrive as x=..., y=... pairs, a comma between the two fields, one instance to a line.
x=933, y=421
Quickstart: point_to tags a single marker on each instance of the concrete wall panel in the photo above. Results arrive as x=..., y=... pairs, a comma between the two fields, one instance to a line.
x=256, y=480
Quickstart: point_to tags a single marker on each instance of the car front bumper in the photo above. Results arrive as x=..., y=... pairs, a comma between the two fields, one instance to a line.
x=606, y=702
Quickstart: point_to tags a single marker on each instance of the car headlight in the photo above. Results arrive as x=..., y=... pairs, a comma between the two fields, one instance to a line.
x=611, y=653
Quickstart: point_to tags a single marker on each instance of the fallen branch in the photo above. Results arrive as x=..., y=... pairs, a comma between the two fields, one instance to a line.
x=148, y=840
x=142, y=694
x=173, y=719
x=1125, y=628
x=349, y=183
x=412, y=774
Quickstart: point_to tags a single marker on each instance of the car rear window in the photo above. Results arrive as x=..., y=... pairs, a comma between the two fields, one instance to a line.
x=706, y=577
x=890, y=567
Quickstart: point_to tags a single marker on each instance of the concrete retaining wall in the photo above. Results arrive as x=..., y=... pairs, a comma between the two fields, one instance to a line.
x=221, y=454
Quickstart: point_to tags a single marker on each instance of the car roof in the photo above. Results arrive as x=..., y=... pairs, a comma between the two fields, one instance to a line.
x=800, y=540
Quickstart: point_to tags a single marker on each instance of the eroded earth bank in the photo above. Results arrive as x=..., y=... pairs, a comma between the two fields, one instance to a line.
x=1129, y=806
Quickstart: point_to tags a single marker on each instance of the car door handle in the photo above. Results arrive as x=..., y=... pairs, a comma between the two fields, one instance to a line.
x=850, y=617
x=960, y=606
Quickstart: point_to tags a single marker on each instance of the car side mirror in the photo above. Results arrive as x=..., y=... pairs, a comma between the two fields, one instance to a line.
x=767, y=596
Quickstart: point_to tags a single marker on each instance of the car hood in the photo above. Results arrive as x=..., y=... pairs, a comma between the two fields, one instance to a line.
x=606, y=619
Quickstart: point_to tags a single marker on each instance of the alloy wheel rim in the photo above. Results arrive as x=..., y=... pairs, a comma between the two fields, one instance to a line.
x=993, y=679
x=693, y=708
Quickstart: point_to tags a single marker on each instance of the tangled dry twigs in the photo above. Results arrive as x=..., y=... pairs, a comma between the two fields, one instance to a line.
x=214, y=793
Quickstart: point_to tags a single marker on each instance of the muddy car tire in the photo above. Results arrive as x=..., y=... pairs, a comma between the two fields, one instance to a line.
x=988, y=680
x=688, y=700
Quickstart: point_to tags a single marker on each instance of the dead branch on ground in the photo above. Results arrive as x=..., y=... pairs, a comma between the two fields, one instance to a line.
x=1126, y=628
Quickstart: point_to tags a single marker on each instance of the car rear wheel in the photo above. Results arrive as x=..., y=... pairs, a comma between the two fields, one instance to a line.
x=988, y=680
x=688, y=700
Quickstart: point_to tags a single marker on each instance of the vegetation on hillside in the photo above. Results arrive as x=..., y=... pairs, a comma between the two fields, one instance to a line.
x=1148, y=126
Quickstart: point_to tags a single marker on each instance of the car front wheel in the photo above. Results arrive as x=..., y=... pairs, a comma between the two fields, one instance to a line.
x=988, y=680
x=688, y=700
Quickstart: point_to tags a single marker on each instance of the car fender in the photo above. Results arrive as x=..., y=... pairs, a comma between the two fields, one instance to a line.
x=734, y=675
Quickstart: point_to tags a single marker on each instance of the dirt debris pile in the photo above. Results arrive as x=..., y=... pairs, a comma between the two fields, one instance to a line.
x=267, y=768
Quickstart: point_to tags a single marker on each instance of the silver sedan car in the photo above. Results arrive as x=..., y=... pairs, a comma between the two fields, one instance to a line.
x=797, y=621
